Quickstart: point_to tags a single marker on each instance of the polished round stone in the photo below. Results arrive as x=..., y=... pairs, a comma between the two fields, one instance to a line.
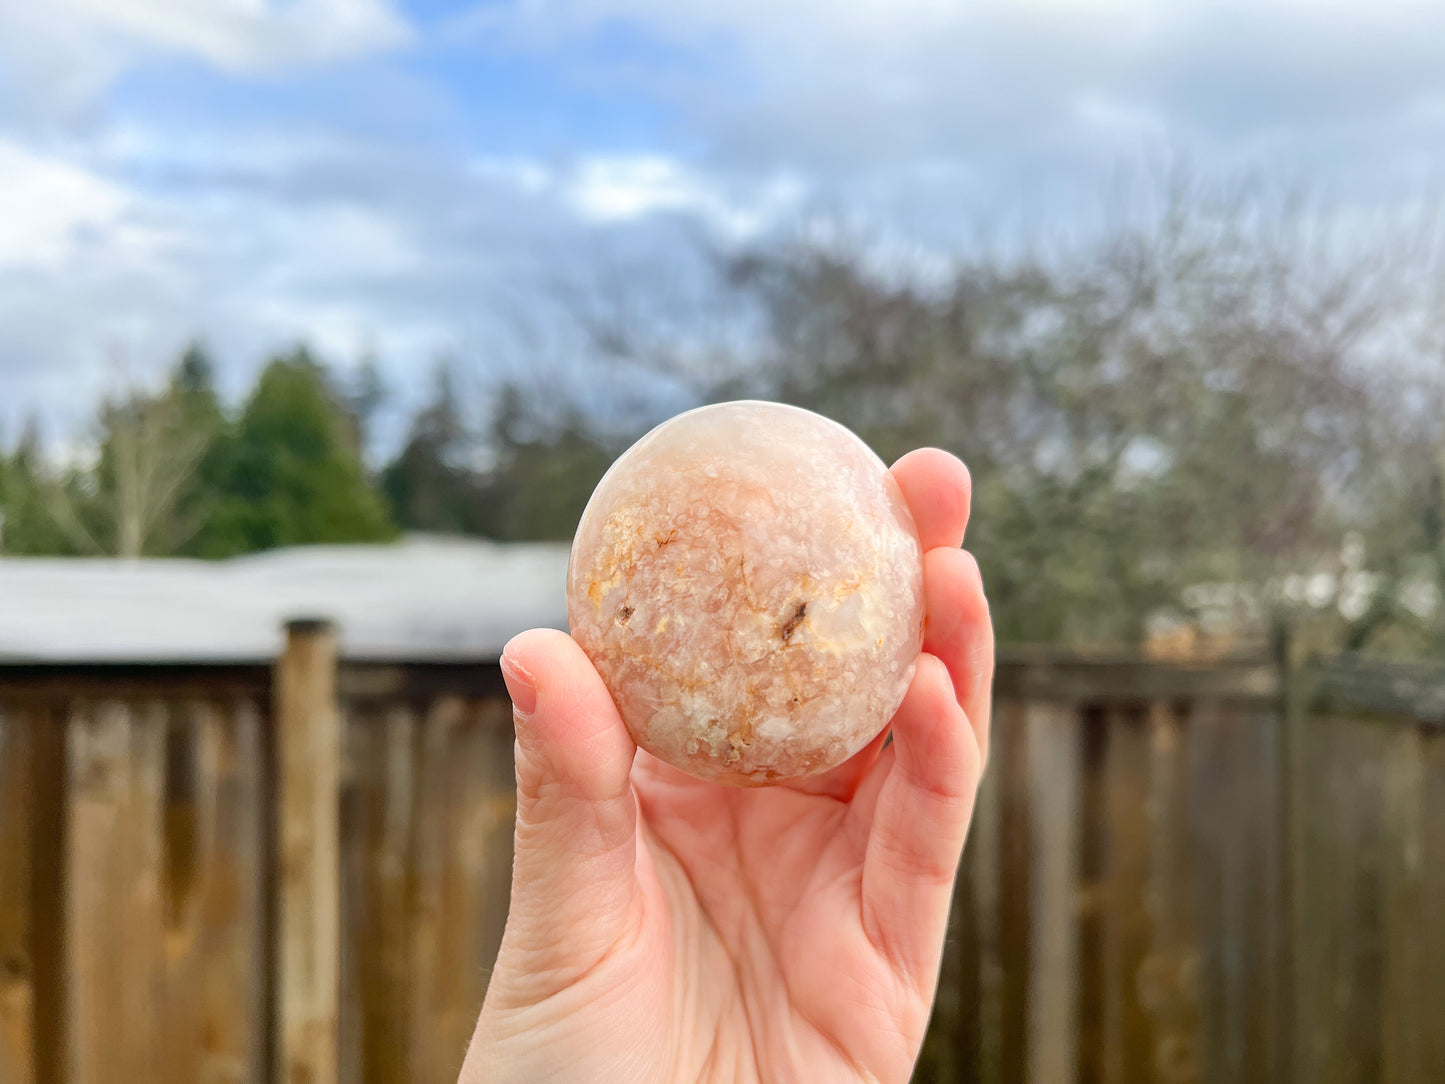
x=747, y=579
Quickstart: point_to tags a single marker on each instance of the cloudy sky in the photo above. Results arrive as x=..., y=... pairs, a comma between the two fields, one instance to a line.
x=396, y=176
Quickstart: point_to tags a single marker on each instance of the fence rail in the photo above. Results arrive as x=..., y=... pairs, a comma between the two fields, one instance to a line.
x=1223, y=872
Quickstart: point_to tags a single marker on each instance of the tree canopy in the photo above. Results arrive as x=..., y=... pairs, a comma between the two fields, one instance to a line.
x=1189, y=423
x=288, y=471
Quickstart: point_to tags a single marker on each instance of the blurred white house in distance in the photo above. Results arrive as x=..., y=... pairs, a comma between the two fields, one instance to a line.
x=424, y=599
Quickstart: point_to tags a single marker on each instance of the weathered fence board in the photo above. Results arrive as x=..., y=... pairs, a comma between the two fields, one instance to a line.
x=17, y=920
x=116, y=963
x=1404, y=1016
x=1429, y=943
x=1053, y=752
x=1011, y=749
x=1092, y=722
x=429, y=806
x=1340, y=966
x=378, y=892
x=214, y=1001
x=1248, y=1000
x=1127, y=933
x=49, y=874
x=1167, y=982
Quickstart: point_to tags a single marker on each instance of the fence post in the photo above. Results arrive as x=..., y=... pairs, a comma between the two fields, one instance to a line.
x=1293, y=705
x=308, y=752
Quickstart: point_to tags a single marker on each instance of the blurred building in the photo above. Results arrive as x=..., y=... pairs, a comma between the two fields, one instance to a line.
x=424, y=599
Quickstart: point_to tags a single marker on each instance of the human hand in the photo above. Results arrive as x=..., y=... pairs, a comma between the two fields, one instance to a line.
x=667, y=929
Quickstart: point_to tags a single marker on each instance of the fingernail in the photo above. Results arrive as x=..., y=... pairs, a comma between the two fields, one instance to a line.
x=520, y=686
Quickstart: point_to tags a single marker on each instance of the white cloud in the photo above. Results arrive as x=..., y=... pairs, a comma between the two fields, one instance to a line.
x=253, y=35
x=865, y=84
x=52, y=66
x=616, y=189
x=623, y=188
x=58, y=57
x=360, y=240
x=260, y=239
x=613, y=189
x=48, y=208
x=1118, y=118
x=954, y=124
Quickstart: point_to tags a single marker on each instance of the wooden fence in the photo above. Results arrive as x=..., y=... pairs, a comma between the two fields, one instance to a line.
x=299, y=873
x=1225, y=874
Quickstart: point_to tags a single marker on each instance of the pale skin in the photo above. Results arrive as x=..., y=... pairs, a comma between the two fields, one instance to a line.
x=664, y=929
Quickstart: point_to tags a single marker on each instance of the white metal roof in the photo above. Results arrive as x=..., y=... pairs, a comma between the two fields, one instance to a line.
x=423, y=599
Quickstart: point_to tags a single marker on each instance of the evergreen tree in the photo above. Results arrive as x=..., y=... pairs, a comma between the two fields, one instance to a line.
x=547, y=463
x=289, y=473
x=195, y=376
x=28, y=525
x=365, y=396
x=430, y=485
x=193, y=388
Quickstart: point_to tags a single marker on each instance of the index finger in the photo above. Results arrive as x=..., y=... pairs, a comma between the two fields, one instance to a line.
x=938, y=489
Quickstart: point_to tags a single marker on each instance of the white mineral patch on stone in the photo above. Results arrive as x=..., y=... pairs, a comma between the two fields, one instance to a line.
x=747, y=580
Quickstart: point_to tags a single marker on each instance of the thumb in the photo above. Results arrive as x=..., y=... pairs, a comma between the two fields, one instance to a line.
x=573, y=876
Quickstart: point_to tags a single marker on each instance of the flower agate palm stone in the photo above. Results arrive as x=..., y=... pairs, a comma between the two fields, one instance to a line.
x=748, y=581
